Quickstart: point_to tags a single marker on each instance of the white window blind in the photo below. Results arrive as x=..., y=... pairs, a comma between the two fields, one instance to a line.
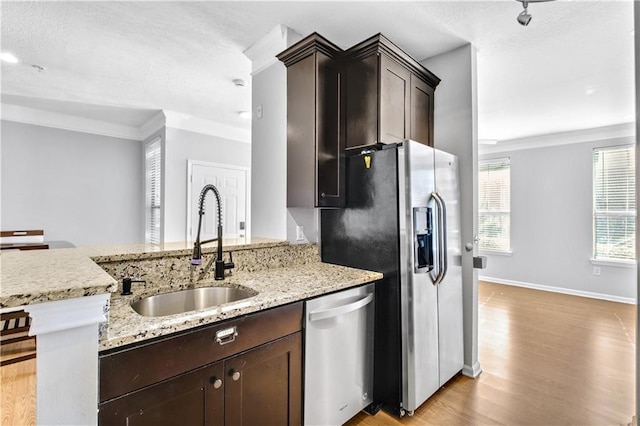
x=614, y=203
x=153, y=182
x=494, y=210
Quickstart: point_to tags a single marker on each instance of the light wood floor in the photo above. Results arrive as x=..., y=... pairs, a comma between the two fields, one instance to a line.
x=547, y=359
x=18, y=393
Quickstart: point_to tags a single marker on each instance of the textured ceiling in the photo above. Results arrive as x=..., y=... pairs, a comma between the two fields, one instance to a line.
x=571, y=68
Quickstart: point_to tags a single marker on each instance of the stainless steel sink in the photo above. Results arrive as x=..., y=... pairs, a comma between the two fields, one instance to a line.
x=189, y=300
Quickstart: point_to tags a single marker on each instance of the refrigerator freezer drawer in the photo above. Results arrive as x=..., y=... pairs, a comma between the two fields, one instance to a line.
x=338, y=356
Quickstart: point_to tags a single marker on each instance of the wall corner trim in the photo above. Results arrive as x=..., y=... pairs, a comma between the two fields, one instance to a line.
x=154, y=124
x=263, y=52
x=472, y=371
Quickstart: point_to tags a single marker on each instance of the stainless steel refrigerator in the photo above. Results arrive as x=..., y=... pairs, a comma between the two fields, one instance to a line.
x=402, y=218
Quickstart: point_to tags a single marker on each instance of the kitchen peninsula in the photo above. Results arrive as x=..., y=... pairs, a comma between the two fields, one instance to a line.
x=69, y=292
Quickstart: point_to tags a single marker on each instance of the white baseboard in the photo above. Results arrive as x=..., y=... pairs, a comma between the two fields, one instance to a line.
x=472, y=371
x=562, y=290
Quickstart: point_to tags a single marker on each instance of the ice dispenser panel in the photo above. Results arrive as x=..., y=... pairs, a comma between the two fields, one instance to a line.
x=423, y=239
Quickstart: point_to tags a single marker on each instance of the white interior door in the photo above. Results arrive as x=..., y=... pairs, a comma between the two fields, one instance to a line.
x=232, y=186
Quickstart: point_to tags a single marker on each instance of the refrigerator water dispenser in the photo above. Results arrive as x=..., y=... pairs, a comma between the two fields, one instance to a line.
x=423, y=241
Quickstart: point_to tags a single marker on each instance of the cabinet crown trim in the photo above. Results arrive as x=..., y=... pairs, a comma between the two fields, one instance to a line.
x=308, y=45
x=380, y=44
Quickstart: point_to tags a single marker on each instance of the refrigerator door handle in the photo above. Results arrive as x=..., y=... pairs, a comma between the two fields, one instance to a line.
x=443, y=237
x=443, y=262
x=438, y=243
x=340, y=310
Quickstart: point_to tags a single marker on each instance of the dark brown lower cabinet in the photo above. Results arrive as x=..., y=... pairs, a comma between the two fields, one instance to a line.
x=197, y=378
x=269, y=386
x=261, y=386
x=189, y=399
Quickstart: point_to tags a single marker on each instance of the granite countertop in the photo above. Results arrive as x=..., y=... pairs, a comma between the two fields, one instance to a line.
x=36, y=276
x=279, y=272
x=275, y=287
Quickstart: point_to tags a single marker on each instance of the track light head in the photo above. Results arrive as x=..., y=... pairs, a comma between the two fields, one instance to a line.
x=524, y=18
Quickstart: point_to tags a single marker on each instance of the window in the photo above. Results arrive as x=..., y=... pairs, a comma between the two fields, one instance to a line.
x=495, y=205
x=614, y=203
x=153, y=182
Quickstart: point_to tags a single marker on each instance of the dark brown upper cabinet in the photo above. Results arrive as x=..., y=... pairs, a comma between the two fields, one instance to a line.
x=389, y=95
x=315, y=123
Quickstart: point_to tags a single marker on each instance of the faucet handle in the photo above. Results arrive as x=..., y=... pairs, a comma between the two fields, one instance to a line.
x=230, y=264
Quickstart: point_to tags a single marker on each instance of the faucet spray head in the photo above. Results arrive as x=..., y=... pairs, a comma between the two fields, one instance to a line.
x=196, y=258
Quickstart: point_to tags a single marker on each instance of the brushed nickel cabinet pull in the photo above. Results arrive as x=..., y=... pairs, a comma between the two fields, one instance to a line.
x=235, y=375
x=216, y=382
x=226, y=335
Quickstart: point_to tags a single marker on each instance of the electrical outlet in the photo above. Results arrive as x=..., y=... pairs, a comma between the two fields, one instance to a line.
x=596, y=270
x=299, y=233
x=259, y=111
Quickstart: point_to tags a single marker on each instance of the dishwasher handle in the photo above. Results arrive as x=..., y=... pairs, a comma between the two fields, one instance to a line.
x=340, y=310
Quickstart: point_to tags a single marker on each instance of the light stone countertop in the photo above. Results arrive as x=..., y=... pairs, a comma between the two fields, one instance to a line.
x=36, y=276
x=275, y=287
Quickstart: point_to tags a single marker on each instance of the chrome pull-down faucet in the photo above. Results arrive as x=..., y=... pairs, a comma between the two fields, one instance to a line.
x=196, y=259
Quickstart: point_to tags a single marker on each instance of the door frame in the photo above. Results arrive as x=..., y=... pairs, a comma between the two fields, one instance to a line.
x=247, y=206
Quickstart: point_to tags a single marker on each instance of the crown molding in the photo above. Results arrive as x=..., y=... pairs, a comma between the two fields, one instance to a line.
x=178, y=120
x=263, y=52
x=57, y=120
x=154, y=124
x=616, y=131
x=39, y=117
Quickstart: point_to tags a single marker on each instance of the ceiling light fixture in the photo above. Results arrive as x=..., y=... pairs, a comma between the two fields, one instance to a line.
x=8, y=57
x=524, y=18
x=590, y=90
x=239, y=82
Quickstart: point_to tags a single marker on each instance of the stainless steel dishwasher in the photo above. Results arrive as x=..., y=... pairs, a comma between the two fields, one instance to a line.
x=338, y=370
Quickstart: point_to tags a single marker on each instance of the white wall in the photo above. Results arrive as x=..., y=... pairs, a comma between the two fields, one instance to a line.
x=77, y=187
x=456, y=131
x=552, y=223
x=269, y=153
x=270, y=216
x=180, y=146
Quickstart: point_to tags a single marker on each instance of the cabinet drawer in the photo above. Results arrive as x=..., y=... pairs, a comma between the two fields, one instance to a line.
x=133, y=368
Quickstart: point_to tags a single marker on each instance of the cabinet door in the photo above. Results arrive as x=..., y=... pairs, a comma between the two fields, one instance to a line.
x=421, y=111
x=263, y=385
x=362, y=101
x=329, y=133
x=394, y=101
x=195, y=398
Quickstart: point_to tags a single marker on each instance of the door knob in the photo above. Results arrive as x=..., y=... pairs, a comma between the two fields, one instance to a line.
x=216, y=382
x=235, y=375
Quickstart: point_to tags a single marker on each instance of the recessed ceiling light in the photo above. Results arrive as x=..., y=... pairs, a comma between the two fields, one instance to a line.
x=590, y=90
x=487, y=141
x=8, y=57
x=244, y=114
